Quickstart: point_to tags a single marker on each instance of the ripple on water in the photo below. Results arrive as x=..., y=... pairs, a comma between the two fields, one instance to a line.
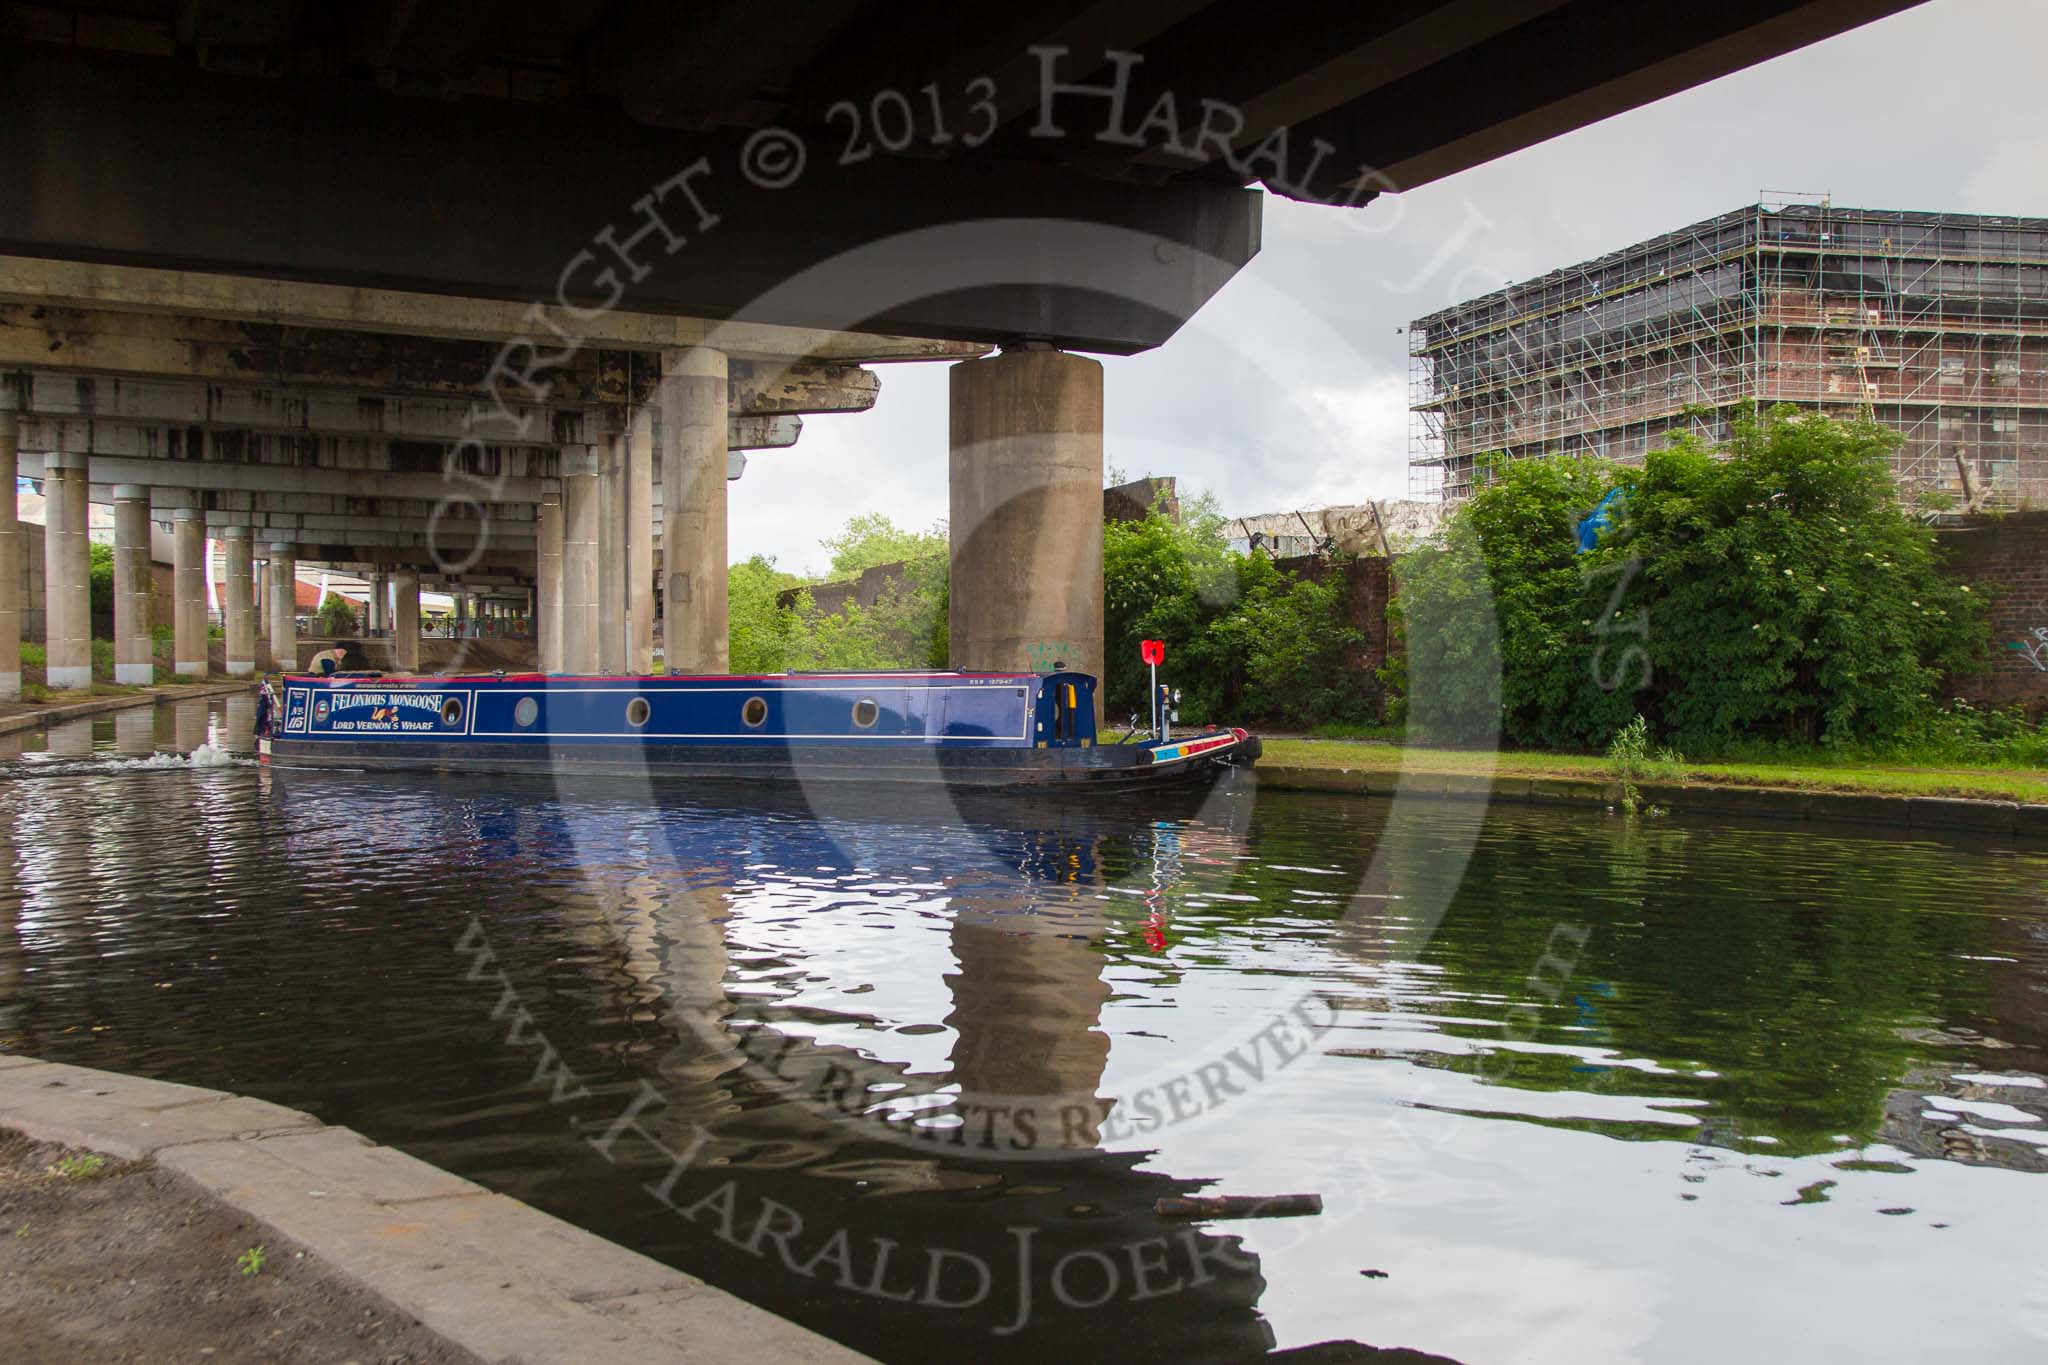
x=1532, y=1083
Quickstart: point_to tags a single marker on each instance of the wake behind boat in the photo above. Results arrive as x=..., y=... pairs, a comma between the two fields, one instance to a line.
x=955, y=729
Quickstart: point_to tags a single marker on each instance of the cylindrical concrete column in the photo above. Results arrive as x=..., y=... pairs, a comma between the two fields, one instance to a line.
x=188, y=565
x=1025, y=494
x=284, y=609
x=640, y=457
x=405, y=621
x=611, y=553
x=547, y=590
x=134, y=587
x=241, y=601
x=581, y=512
x=693, y=427
x=10, y=560
x=263, y=601
x=67, y=571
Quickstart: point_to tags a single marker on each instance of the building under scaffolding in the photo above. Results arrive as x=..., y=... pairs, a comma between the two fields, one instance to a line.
x=1934, y=323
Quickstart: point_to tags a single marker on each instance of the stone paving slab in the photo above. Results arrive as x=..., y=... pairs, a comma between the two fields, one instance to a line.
x=133, y=1118
x=482, y=1270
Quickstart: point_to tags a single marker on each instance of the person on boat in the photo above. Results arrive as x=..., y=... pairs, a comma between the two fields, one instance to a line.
x=328, y=661
x=266, y=711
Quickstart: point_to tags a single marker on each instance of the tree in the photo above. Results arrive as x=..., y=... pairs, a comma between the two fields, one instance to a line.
x=872, y=539
x=337, y=617
x=758, y=625
x=100, y=578
x=1773, y=588
x=1246, y=639
x=1249, y=640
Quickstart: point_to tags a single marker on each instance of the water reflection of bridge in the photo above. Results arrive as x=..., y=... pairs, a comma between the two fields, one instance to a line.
x=992, y=1159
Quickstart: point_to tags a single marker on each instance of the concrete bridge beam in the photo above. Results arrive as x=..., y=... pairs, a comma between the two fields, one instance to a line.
x=67, y=569
x=188, y=592
x=239, y=598
x=693, y=527
x=1025, y=496
x=81, y=286
x=134, y=587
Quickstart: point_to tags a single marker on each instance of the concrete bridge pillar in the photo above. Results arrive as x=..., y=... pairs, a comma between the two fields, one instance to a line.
x=188, y=591
x=581, y=513
x=67, y=571
x=134, y=587
x=640, y=457
x=693, y=435
x=1025, y=485
x=373, y=604
x=547, y=590
x=10, y=561
x=284, y=608
x=613, y=453
x=405, y=621
x=1027, y=1020
x=262, y=603
x=240, y=597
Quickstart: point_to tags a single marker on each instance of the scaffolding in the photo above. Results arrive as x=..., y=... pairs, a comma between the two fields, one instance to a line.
x=1936, y=324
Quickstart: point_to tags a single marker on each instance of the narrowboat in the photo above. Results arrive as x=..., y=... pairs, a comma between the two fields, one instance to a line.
x=953, y=729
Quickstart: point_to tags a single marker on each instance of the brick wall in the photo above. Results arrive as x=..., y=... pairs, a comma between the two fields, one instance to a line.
x=1367, y=583
x=2009, y=554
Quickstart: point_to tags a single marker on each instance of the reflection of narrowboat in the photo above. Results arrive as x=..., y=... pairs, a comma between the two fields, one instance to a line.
x=967, y=729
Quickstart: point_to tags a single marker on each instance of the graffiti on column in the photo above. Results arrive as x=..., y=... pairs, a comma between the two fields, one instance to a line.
x=1045, y=653
x=2035, y=649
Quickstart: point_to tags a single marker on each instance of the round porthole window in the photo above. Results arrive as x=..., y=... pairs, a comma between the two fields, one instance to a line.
x=866, y=713
x=451, y=711
x=754, y=712
x=637, y=711
x=526, y=713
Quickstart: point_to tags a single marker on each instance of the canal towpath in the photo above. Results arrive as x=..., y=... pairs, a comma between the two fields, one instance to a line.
x=491, y=1277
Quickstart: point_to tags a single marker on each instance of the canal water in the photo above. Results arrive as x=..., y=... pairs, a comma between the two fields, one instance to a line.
x=917, y=1075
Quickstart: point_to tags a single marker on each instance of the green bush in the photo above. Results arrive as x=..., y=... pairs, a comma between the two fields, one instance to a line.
x=905, y=628
x=100, y=578
x=1771, y=590
x=1630, y=760
x=1245, y=639
x=336, y=617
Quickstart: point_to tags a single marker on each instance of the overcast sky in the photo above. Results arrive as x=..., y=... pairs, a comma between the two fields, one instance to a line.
x=1290, y=388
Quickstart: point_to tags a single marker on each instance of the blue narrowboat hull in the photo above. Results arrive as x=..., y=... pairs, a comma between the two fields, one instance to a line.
x=950, y=729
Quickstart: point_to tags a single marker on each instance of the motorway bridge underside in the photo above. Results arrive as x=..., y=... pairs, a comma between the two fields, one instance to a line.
x=496, y=297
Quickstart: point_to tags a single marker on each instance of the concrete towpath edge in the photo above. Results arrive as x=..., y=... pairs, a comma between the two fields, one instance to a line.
x=1947, y=814
x=486, y=1272
x=93, y=706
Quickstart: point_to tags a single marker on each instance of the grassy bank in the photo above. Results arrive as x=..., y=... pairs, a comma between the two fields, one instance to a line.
x=1817, y=772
